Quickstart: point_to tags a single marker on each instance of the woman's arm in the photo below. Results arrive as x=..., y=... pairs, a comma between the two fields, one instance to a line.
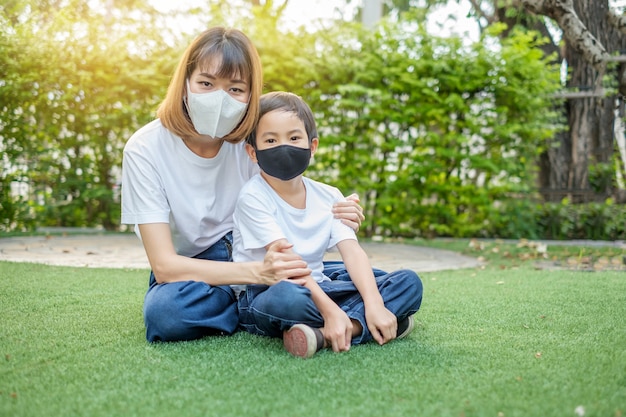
x=168, y=266
x=381, y=322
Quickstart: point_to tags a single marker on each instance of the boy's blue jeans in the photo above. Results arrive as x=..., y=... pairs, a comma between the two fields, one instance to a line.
x=268, y=311
x=191, y=309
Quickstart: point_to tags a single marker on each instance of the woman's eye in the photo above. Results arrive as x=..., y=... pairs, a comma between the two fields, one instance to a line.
x=237, y=90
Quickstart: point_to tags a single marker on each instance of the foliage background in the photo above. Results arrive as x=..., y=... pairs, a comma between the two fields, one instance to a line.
x=438, y=137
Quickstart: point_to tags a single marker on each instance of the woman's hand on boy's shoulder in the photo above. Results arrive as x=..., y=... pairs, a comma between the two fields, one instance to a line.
x=350, y=212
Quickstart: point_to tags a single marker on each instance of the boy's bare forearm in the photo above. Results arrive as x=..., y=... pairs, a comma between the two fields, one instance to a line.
x=322, y=301
x=358, y=266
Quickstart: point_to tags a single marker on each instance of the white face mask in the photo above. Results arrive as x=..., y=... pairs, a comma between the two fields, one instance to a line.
x=215, y=114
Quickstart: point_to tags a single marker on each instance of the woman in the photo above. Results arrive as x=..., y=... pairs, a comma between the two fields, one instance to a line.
x=181, y=175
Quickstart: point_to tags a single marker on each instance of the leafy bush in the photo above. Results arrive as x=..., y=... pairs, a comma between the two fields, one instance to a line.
x=74, y=85
x=564, y=221
x=431, y=133
x=437, y=137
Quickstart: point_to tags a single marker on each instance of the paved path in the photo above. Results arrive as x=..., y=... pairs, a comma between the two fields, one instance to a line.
x=125, y=251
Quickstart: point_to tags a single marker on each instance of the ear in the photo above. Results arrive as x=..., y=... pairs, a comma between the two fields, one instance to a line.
x=314, y=143
x=251, y=152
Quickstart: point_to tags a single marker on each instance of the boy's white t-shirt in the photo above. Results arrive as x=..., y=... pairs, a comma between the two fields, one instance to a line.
x=163, y=181
x=262, y=217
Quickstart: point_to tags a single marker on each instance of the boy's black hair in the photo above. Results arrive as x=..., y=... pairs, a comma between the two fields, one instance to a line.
x=287, y=102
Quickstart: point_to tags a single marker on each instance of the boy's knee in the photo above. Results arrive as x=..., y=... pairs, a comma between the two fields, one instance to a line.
x=414, y=287
x=414, y=281
x=411, y=285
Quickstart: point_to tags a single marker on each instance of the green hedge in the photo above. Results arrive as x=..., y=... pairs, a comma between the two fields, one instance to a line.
x=597, y=221
x=558, y=221
x=509, y=219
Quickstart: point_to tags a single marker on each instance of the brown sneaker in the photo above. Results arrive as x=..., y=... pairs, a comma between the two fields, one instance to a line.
x=405, y=327
x=303, y=341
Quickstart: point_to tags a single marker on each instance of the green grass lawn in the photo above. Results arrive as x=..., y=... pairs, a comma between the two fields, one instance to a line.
x=506, y=340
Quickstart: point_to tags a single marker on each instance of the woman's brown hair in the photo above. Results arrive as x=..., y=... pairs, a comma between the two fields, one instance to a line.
x=238, y=56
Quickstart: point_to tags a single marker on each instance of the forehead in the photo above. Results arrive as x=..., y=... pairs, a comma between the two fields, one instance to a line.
x=279, y=119
x=222, y=65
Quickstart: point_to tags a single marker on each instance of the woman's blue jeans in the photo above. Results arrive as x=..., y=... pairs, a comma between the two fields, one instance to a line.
x=268, y=311
x=190, y=310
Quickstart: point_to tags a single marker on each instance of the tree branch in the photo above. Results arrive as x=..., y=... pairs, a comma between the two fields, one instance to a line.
x=618, y=21
x=481, y=13
x=574, y=31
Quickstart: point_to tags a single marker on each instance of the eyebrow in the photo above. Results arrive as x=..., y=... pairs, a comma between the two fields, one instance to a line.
x=291, y=132
x=213, y=77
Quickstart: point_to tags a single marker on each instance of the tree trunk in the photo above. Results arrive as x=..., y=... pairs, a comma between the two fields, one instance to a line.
x=588, y=142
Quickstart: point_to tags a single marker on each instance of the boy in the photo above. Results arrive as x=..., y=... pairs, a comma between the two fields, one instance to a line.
x=334, y=306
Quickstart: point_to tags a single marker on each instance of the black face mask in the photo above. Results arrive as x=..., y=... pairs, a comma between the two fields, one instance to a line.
x=284, y=162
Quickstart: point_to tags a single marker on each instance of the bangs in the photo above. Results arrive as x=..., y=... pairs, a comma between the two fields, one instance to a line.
x=230, y=61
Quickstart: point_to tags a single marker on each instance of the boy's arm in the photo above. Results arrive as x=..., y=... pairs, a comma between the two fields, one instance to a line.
x=337, y=328
x=381, y=322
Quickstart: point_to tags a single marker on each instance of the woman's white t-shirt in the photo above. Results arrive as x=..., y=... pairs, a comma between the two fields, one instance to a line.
x=163, y=181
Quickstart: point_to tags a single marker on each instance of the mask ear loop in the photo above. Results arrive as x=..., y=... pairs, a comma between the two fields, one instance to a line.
x=186, y=98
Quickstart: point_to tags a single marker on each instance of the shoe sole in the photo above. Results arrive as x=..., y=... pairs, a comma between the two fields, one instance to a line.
x=300, y=341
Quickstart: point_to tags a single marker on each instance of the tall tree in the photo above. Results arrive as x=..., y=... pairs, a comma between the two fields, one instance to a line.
x=580, y=163
x=591, y=45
